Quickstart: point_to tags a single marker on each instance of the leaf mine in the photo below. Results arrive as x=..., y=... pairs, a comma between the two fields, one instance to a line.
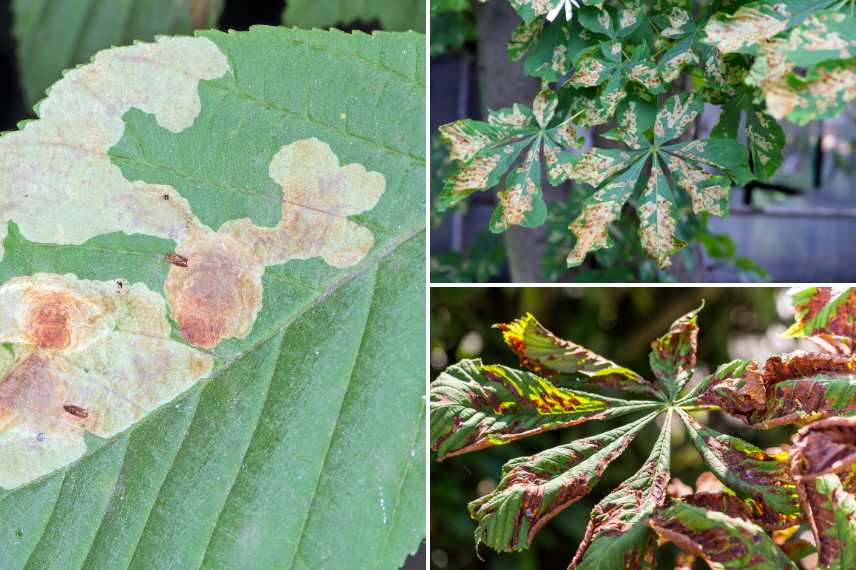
x=87, y=356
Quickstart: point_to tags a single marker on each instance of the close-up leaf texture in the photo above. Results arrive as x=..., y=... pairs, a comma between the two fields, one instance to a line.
x=263, y=192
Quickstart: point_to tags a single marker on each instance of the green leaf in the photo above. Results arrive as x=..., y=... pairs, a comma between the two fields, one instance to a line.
x=755, y=475
x=792, y=388
x=401, y=15
x=535, y=489
x=826, y=314
x=617, y=535
x=53, y=36
x=488, y=150
x=147, y=149
x=544, y=353
x=724, y=542
x=673, y=355
x=823, y=462
x=475, y=405
x=765, y=136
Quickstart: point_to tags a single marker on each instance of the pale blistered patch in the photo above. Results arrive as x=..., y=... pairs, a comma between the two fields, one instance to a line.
x=592, y=229
x=594, y=167
x=62, y=157
x=86, y=356
x=216, y=291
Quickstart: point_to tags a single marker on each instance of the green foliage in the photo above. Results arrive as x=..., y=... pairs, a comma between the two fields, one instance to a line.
x=298, y=438
x=616, y=64
x=393, y=15
x=54, y=35
x=729, y=522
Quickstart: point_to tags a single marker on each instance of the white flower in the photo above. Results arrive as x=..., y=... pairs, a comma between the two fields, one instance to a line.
x=568, y=5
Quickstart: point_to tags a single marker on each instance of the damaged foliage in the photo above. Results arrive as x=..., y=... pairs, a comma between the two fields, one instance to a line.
x=618, y=63
x=744, y=513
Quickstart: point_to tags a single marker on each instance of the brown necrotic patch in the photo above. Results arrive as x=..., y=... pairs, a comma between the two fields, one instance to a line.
x=85, y=356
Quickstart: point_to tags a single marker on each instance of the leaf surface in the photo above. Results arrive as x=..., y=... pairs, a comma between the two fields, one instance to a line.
x=276, y=452
x=475, y=405
x=673, y=355
x=752, y=473
x=544, y=353
x=617, y=535
x=724, y=542
x=535, y=489
x=53, y=36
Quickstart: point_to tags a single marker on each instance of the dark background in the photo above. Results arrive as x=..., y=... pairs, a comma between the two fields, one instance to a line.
x=618, y=323
x=237, y=15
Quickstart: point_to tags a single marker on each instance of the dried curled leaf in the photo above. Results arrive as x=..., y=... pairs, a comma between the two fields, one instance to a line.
x=84, y=356
x=823, y=462
x=792, y=388
x=544, y=353
x=673, y=355
x=755, y=475
x=474, y=405
x=535, y=489
x=723, y=541
x=617, y=535
x=825, y=314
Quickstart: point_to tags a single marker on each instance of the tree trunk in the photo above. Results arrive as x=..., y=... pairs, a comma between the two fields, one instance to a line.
x=503, y=83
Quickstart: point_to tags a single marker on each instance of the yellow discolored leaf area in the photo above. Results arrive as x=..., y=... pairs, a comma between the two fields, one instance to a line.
x=84, y=356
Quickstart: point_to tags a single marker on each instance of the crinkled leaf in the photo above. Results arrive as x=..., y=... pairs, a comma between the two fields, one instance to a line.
x=755, y=22
x=673, y=355
x=752, y=473
x=535, y=489
x=401, y=15
x=475, y=405
x=724, y=542
x=793, y=388
x=826, y=313
x=246, y=466
x=617, y=535
x=823, y=462
x=544, y=353
x=53, y=36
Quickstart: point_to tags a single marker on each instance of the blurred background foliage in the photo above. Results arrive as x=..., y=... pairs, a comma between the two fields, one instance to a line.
x=619, y=323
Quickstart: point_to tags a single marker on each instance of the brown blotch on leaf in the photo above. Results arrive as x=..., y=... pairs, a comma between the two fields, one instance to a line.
x=218, y=293
x=48, y=320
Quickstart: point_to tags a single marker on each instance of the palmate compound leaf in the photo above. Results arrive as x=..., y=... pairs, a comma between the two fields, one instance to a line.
x=723, y=541
x=53, y=36
x=793, y=388
x=823, y=462
x=109, y=201
x=617, y=536
x=535, y=489
x=475, y=405
x=760, y=478
x=488, y=150
x=548, y=49
x=544, y=353
x=616, y=177
x=825, y=315
x=677, y=24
